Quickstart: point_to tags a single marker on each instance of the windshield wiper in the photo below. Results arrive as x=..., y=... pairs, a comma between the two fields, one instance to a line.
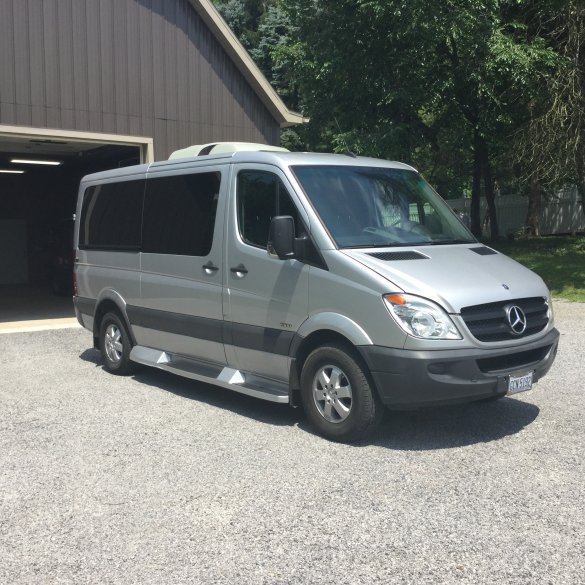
x=371, y=246
x=394, y=245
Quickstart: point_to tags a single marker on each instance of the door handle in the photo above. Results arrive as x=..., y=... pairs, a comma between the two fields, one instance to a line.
x=210, y=268
x=240, y=270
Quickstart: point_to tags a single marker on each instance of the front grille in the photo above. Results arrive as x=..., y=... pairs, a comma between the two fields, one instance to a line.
x=512, y=361
x=406, y=255
x=489, y=323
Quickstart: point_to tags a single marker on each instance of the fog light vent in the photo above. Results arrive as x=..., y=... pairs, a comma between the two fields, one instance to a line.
x=438, y=368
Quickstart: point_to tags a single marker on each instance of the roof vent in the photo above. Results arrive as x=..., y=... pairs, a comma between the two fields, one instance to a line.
x=223, y=148
x=483, y=251
x=406, y=255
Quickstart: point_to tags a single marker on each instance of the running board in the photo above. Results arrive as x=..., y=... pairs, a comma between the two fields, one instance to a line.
x=216, y=374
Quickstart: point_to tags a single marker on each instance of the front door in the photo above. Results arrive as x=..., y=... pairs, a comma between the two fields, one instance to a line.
x=265, y=299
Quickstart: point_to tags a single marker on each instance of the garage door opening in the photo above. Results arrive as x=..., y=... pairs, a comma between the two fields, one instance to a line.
x=39, y=178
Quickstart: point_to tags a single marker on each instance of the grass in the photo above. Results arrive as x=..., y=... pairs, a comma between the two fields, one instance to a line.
x=559, y=260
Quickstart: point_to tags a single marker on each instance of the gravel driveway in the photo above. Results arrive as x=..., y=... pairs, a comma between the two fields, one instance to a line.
x=156, y=479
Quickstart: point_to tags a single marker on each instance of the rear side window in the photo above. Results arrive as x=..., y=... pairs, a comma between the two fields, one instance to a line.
x=262, y=196
x=179, y=214
x=111, y=216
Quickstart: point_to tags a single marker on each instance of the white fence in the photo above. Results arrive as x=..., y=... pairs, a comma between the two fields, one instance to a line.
x=561, y=213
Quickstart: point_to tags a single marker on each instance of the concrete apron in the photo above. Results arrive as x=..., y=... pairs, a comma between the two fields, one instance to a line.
x=38, y=325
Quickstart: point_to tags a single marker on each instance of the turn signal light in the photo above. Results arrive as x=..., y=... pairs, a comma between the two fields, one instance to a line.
x=396, y=299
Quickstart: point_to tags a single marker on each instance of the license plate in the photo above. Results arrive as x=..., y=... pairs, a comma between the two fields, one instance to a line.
x=520, y=383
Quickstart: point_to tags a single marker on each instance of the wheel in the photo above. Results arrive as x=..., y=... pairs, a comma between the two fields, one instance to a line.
x=337, y=397
x=115, y=345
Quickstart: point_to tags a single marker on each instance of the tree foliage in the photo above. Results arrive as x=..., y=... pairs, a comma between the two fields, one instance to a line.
x=468, y=91
x=550, y=145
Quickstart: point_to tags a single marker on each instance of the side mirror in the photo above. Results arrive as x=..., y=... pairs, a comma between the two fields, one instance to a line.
x=281, y=238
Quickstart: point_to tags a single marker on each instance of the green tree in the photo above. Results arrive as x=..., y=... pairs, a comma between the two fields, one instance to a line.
x=429, y=83
x=263, y=28
x=550, y=146
x=444, y=86
x=243, y=17
x=260, y=25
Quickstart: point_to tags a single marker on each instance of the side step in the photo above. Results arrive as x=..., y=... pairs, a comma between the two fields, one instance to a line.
x=219, y=375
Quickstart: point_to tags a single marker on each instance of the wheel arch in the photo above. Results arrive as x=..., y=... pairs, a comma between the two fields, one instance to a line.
x=365, y=408
x=110, y=301
x=320, y=330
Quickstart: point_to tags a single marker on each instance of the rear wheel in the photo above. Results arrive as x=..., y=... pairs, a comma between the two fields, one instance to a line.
x=337, y=395
x=115, y=345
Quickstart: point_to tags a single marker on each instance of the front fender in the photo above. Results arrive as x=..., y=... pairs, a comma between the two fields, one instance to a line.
x=338, y=323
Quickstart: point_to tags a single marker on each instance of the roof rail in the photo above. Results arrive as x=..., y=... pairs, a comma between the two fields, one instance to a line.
x=223, y=148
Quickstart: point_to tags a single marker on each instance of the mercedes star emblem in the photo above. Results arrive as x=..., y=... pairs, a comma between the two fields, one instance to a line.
x=516, y=319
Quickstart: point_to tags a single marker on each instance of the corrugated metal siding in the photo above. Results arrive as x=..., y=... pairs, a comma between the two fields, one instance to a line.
x=142, y=67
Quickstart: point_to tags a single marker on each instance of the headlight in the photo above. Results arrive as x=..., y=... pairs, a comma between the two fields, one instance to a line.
x=421, y=318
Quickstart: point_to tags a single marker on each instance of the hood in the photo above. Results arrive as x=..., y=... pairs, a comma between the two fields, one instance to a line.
x=455, y=276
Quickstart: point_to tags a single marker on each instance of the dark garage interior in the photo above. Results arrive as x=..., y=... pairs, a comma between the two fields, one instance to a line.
x=37, y=203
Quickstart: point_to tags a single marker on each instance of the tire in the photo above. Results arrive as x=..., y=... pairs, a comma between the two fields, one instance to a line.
x=115, y=345
x=339, y=400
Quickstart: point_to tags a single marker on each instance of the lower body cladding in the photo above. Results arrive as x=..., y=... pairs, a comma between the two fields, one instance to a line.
x=409, y=379
x=403, y=378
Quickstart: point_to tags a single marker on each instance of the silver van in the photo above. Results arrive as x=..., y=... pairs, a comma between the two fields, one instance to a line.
x=339, y=283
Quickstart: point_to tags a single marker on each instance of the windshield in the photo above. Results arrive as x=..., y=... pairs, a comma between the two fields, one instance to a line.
x=365, y=207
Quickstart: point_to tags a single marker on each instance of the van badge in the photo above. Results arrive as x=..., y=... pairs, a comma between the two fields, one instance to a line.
x=516, y=319
x=506, y=286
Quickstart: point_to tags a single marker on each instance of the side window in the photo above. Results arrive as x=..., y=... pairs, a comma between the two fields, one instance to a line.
x=111, y=216
x=179, y=214
x=260, y=197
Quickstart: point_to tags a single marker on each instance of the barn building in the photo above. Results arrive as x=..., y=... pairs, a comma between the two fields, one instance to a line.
x=87, y=85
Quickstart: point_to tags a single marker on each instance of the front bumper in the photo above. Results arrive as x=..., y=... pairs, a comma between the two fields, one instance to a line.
x=408, y=379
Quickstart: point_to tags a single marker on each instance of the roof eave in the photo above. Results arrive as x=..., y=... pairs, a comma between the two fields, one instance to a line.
x=246, y=65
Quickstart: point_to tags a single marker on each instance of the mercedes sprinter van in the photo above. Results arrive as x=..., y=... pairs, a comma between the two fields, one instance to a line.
x=342, y=284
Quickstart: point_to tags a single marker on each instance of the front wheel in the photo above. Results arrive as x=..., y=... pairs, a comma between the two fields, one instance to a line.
x=337, y=396
x=115, y=345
